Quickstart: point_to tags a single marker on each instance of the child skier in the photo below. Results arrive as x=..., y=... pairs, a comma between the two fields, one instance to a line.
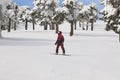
x=59, y=42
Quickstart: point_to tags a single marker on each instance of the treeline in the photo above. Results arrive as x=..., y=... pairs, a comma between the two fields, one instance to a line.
x=48, y=13
x=111, y=15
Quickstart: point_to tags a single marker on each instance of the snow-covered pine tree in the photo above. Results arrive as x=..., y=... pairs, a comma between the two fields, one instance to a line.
x=11, y=15
x=45, y=10
x=24, y=15
x=58, y=17
x=16, y=10
x=111, y=15
x=70, y=8
x=33, y=15
x=88, y=14
x=69, y=12
x=8, y=15
x=36, y=11
x=80, y=6
x=1, y=17
x=4, y=12
x=93, y=14
x=83, y=16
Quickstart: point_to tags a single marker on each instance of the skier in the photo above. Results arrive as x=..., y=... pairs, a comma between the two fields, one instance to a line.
x=59, y=42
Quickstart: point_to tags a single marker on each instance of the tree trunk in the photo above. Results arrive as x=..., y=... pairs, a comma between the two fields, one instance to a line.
x=57, y=28
x=87, y=26
x=50, y=26
x=26, y=24
x=119, y=37
x=15, y=25
x=83, y=26
x=53, y=26
x=79, y=24
x=92, y=25
x=33, y=26
x=9, y=25
x=45, y=27
x=71, y=31
x=0, y=34
x=0, y=30
x=75, y=24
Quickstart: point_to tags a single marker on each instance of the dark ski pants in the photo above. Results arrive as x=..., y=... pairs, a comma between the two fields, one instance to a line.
x=62, y=46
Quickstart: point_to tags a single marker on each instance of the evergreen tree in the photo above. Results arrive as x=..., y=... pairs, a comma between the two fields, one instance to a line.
x=33, y=16
x=45, y=10
x=88, y=14
x=70, y=8
x=84, y=17
x=24, y=15
x=93, y=14
x=58, y=17
x=16, y=10
x=11, y=15
x=1, y=17
x=111, y=15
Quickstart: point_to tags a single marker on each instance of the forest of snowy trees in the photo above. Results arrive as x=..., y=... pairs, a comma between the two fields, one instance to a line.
x=111, y=15
x=8, y=15
x=49, y=14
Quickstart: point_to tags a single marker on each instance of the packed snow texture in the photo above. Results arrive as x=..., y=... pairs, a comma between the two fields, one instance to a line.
x=29, y=55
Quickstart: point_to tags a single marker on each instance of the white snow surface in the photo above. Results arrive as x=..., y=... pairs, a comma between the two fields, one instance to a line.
x=29, y=55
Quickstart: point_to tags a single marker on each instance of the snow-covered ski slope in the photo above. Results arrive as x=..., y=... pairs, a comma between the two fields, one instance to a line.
x=28, y=55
